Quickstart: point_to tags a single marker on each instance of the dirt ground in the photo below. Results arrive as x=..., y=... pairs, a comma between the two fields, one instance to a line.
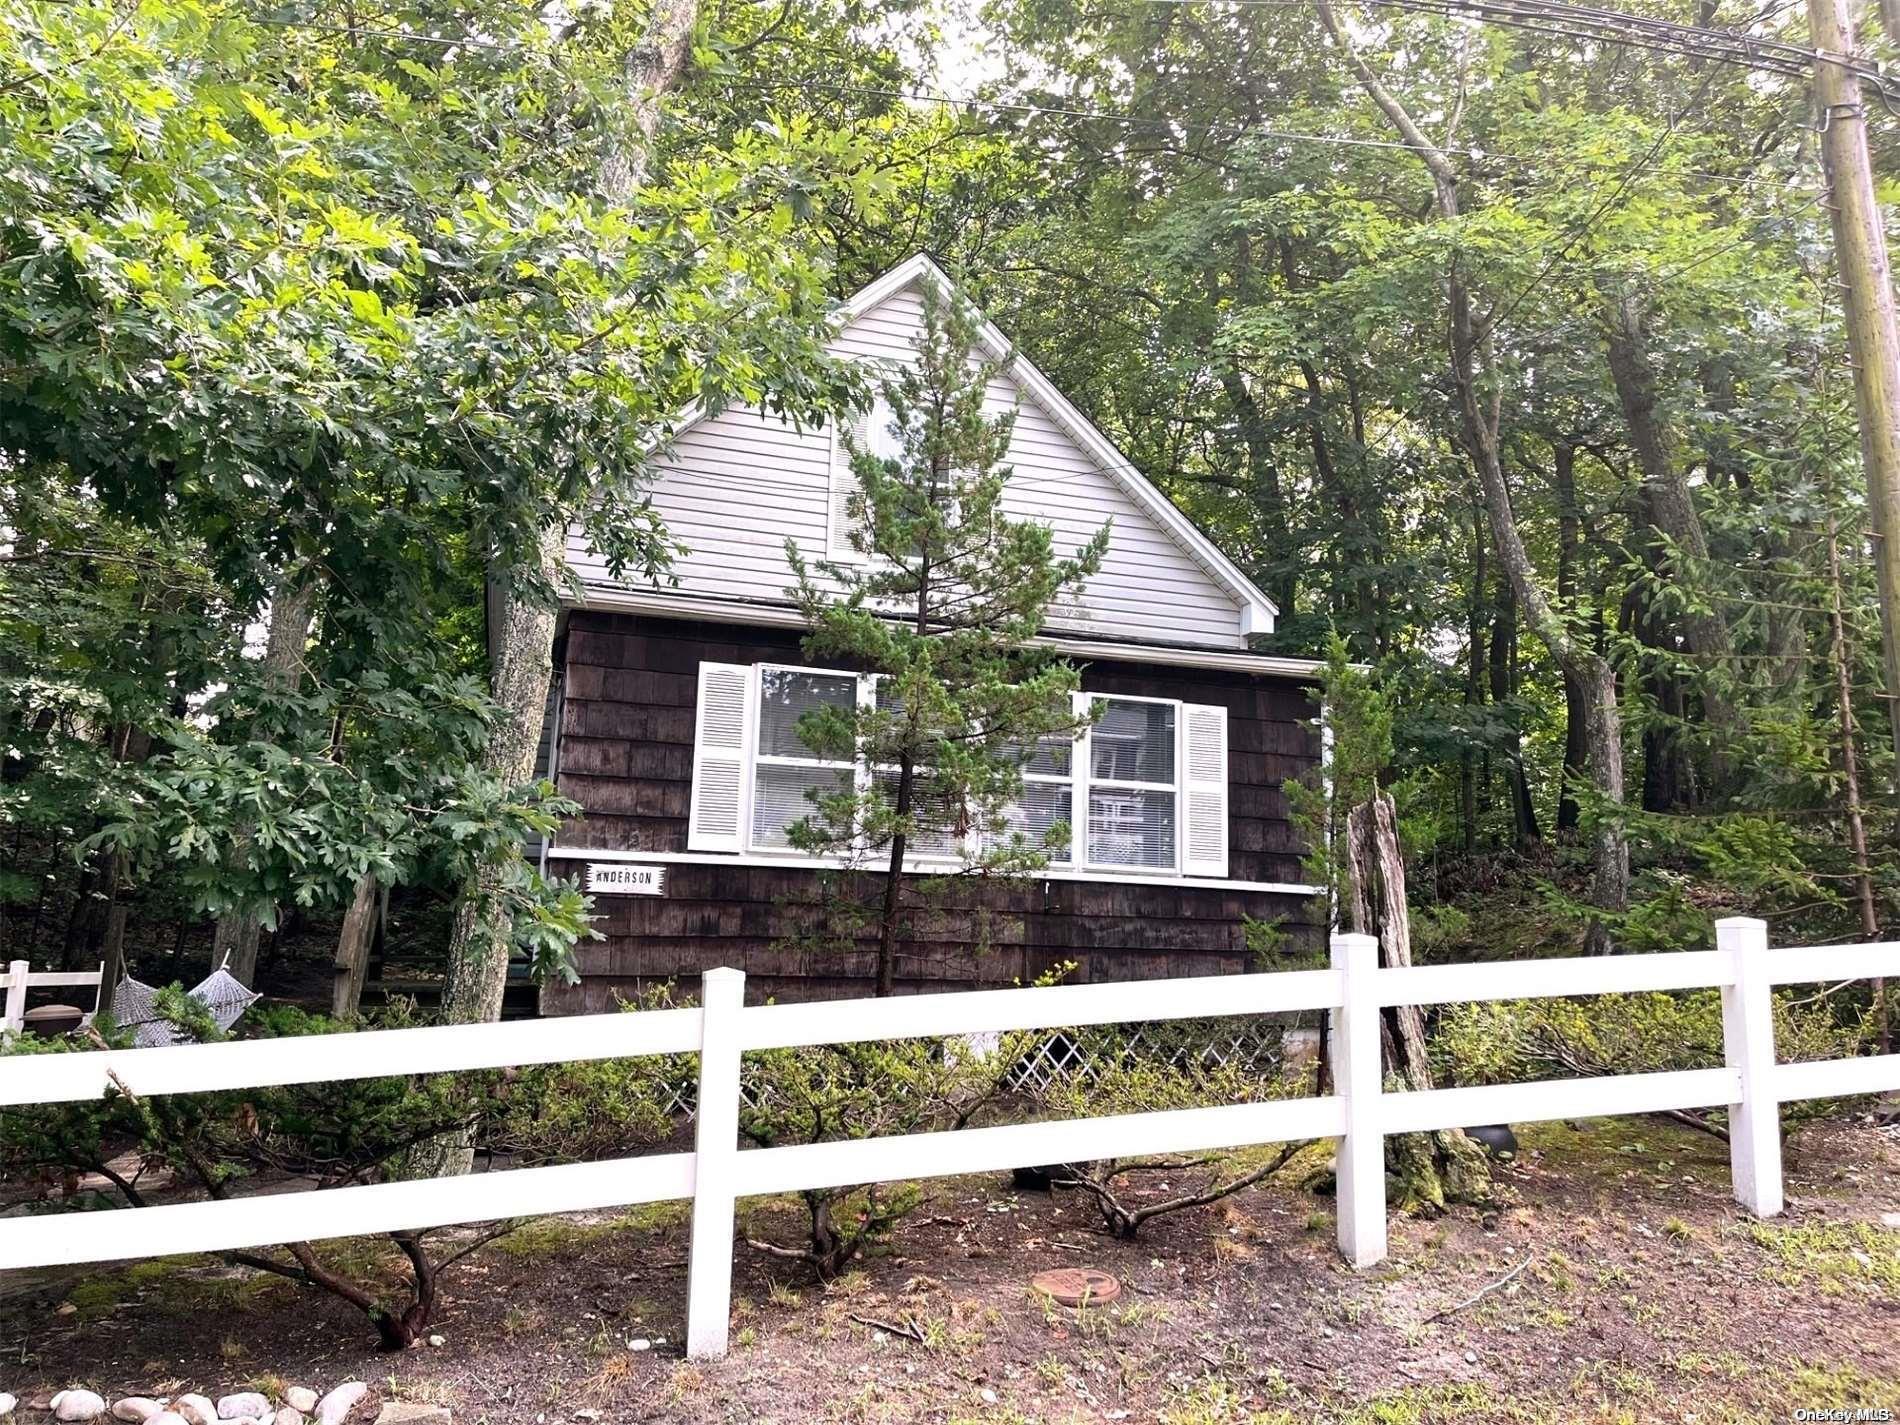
x=1626, y=1287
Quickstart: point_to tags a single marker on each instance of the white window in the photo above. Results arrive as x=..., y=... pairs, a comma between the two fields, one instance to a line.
x=1143, y=789
x=787, y=773
x=870, y=432
x=1132, y=796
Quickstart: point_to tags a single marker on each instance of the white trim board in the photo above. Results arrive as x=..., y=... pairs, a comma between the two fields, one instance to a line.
x=658, y=603
x=913, y=868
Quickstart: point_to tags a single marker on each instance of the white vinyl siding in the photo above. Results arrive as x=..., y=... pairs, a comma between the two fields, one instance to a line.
x=736, y=485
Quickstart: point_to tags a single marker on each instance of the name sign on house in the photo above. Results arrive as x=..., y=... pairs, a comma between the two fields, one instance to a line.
x=615, y=879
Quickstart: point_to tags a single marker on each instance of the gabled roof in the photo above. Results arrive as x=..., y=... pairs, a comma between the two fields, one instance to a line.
x=1257, y=610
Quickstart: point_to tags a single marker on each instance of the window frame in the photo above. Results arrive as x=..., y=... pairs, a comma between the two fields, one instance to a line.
x=756, y=759
x=1087, y=782
x=1080, y=781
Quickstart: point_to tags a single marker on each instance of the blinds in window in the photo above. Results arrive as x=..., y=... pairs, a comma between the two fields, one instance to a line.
x=716, y=820
x=844, y=483
x=1204, y=788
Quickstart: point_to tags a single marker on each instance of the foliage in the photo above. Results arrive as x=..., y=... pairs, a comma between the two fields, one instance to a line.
x=1168, y=1067
x=847, y=1092
x=941, y=603
x=1513, y=1041
x=223, y=1145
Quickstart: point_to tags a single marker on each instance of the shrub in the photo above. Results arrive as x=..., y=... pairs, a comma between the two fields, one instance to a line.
x=335, y=1134
x=1511, y=1041
x=1168, y=1067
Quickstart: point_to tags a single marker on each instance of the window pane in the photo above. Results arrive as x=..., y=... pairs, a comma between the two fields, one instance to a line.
x=1053, y=756
x=938, y=827
x=1134, y=742
x=1128, y=828
x=781, y=797
x=784, y=697
x=1040, y=807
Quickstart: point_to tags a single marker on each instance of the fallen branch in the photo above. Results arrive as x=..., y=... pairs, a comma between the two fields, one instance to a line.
x=1481, y=1295
x=906, y=1329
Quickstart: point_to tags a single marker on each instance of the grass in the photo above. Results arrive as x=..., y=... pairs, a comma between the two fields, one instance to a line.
x=1831, y=1257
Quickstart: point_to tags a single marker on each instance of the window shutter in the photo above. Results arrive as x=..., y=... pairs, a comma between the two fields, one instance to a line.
x=721, y=749
x=844, y=484
x=1204, y=790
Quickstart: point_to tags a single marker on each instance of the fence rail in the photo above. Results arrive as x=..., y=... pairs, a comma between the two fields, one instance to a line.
x=722, y=1028
x=21, y=977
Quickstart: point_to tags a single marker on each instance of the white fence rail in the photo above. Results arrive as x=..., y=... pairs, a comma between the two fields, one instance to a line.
x=717, y=1173
x=21, y=977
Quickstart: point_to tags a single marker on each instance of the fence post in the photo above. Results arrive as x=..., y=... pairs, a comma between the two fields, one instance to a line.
x=1360, y=1198
x=15, y=1018
x=715, y=1155
x=1748, y=1043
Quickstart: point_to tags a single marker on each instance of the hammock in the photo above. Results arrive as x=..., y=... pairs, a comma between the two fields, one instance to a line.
x=134, y=1006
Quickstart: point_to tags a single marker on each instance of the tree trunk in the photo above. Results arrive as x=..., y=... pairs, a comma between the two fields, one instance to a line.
x=1479, y=403
x=1504, y=680
x=1564, y=458
x=1850, y=773
x=234, y=942
x=1433, y=1168
x=1873, y=334
x=522, y=663
x=523, y=654
x=352, y=949
x=1671, y=510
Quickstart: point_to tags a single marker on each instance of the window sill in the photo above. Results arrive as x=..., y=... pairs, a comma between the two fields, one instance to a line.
x=926, y=868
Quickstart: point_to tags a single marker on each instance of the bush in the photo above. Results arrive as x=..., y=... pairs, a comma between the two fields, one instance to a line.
x=1167, y=1067
x=1512, y=1041
x=335, y=1134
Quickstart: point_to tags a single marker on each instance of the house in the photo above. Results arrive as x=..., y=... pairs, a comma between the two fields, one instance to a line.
x=671, y=707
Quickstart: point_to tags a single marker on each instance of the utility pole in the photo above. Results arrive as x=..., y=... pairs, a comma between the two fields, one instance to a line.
x=1873, y=335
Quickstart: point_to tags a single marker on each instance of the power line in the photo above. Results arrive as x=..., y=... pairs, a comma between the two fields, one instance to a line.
x=1232, y=129
x=1617, y=27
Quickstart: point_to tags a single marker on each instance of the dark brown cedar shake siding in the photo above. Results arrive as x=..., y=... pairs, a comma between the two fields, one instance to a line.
x=626, y=754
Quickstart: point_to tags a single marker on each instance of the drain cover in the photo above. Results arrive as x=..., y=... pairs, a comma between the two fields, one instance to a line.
x=1072, y=1286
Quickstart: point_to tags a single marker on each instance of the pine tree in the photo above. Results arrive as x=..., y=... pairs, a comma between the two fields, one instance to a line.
x=942, y=603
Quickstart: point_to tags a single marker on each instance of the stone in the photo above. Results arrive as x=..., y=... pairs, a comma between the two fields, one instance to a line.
x=408, y=1412
x=197, y=1409
x=7, y=1402
x=136, y=1408
x=335, y=1407
x=289, y=1415
x=1890, y=1219
x=301, y=1397
x=245, y=1405
x=639, y=1343
x=78, y=1405
x=168, y=1417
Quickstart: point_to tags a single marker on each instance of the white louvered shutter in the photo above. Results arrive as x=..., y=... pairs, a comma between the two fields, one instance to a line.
x=1204, y=790
x=844, y=484
x=721, y=748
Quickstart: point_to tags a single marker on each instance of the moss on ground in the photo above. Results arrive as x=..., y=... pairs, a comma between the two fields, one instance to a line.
x=1831, y=1257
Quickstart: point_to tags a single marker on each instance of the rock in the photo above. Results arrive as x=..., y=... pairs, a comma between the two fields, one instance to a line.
x=168, y=1417
x=335, y=1407
x=135, y=1408
x=408, y=1412
x=639, y=1343
x=197, y=1410
x=7, y=1402
x=245, y=1405
x=1498, y=1140
x=78, y=1405
x=1890, y=1219
x=289, y=1415
x=301, y=1397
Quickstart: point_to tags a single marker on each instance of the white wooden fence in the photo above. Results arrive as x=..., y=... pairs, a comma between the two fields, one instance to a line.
x=716, y=1173
x=20, y=977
